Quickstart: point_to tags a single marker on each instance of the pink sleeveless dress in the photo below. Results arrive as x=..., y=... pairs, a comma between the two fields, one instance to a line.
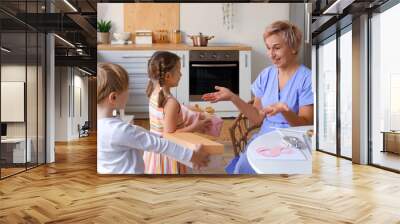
x=156, y=163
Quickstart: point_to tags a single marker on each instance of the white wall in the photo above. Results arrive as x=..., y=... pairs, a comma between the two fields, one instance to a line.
x=81, y=83
x=17, y=73
x=66, y=121
x=14, y=73
x=113, y=12
x=61, y=103
x=249, y=22
x=33, y=125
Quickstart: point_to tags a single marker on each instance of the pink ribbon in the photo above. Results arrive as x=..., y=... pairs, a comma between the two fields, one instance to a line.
x=274, y=152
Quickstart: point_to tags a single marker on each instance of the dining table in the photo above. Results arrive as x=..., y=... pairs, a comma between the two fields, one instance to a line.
x=282, y=151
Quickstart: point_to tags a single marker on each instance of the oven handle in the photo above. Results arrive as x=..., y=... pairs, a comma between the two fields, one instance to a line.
x=214, y=65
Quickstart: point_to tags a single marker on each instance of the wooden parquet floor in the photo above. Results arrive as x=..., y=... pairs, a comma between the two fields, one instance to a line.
x=70, y=191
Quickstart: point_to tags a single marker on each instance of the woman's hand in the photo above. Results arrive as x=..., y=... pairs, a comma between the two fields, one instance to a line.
x=276, y=108
x=223, y=94
x=200, y=158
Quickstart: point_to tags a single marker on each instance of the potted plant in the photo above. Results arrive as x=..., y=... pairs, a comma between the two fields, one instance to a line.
x=103, y=31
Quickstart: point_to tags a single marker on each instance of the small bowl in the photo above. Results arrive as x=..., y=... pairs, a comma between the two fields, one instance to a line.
x=124, y=36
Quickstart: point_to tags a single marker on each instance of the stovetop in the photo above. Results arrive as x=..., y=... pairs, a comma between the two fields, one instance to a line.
x=213, y=55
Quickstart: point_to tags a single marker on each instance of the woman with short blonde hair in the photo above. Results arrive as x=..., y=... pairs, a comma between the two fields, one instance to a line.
x=283, y=95
x=290, y=33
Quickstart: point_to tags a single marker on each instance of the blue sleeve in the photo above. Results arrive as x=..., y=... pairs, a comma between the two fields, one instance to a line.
x=306, y=96
x=259, y=85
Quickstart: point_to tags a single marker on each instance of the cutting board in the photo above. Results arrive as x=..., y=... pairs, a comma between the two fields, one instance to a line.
x=151, y=16
x=189, y=140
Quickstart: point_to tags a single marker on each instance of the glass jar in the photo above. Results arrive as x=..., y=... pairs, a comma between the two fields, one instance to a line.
x=176, y=36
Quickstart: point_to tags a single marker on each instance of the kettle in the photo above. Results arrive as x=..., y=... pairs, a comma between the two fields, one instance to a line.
x=200, y=40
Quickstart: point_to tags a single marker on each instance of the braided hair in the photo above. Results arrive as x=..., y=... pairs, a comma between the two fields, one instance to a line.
x=159, y=64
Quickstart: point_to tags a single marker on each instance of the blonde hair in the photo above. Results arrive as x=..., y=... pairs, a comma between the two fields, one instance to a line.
x=289, y=32
x=159, y=64
x=110, y=78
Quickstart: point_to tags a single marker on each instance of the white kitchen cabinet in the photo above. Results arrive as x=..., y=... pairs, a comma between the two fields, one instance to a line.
x=245, y=75
x=135, y=62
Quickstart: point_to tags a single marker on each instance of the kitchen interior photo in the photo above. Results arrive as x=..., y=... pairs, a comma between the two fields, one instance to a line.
x=48, y=77
x=218, y=44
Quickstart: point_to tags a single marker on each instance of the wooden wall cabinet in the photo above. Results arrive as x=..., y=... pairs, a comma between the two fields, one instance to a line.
x=151, y=16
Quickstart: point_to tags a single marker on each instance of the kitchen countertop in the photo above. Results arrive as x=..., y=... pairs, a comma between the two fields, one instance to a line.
x=169, y=46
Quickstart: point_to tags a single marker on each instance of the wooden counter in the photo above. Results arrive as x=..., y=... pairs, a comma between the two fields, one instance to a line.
x=183, y=47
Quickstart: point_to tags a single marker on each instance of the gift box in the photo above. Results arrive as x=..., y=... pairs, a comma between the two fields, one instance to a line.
x=190, y=140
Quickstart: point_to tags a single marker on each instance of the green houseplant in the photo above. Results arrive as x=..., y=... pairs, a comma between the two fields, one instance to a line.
x=103, y=31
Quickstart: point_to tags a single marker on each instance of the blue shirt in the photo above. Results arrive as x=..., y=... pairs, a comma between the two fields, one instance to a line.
x=296, y=93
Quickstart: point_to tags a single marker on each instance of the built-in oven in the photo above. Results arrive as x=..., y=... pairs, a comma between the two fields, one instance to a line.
x=208, y=68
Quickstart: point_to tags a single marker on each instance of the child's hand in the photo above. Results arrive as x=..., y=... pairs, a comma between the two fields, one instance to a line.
x=200, y=158
x=202, y=116
x=200, y=125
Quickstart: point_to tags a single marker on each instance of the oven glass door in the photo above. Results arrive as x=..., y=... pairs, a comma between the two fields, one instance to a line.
x=204, y=76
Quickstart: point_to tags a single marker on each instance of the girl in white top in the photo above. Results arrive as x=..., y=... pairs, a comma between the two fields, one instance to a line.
x=120, y=145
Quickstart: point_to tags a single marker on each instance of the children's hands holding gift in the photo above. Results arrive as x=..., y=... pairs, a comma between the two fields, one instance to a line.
x=200, y=158
x=201, y=123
